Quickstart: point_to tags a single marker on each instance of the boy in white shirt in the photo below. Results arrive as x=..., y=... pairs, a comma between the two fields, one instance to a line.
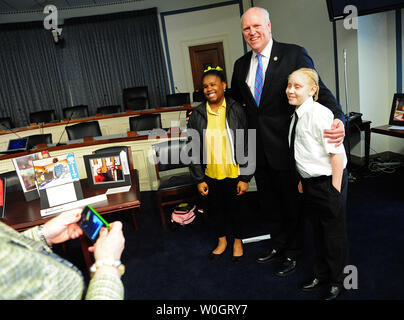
x=323, y=180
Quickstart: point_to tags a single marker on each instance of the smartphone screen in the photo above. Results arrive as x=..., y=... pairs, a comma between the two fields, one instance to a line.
x=91, y=222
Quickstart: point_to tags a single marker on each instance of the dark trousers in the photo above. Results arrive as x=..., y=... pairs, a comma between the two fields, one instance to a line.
x=280, y=202
x=326, y=209
x=224, y=206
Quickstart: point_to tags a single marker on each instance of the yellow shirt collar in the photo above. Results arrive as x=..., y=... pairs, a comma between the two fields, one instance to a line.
x=223, y=106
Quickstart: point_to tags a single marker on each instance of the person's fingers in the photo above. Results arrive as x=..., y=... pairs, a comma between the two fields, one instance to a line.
x=70, y=216
x=74, y=231
x=103, y=233
x=339, y=143
x=116, y=225
x=333, y=134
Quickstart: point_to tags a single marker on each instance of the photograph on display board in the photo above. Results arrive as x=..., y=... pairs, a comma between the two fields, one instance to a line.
x=105, y=170
x=397, y=110
x=25, y=169
x=56, y=171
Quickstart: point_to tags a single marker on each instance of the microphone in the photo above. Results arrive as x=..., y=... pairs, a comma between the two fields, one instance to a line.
x=60, y=138
x=105, y=98
x=176, y=89
x=9, y=129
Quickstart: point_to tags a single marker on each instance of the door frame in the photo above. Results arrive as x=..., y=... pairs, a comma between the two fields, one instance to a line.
x=224, y=38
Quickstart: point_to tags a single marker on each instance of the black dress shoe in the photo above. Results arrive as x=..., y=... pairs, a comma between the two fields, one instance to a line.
x=236, y=259
x=313, y=284
x=333, y=293
x=267, y=256
x=287, y=267
x=215, y=256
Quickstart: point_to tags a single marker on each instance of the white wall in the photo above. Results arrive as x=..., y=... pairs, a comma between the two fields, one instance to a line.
x=305, y=22
x=377, y=74
x=347, y=39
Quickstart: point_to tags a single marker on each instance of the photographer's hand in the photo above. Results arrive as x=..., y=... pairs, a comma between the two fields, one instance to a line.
x=109, y=246
x=63, y=227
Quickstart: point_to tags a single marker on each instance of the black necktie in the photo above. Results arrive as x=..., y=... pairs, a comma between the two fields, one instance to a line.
x=292, y=139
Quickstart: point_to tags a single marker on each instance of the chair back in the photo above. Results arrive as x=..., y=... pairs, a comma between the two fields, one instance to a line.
x=38, y=139
x=6, y=124
x=75, y=112
x=136, y=98
x=127, y=149
x=43, y=116
x=198, y=96
x=12, y=181
x=171, y=154
x=177, y=99
x=84, y=129
x=145, y=122
x=109, y=109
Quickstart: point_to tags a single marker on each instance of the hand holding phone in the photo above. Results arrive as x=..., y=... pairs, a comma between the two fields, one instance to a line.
x=110, y=244
x=91, y=223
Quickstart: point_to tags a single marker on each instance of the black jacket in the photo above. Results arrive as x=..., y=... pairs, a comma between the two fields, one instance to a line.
x=272, y=117
x=235, y=119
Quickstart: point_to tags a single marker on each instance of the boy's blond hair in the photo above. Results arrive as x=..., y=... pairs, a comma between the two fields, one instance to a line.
x=312, y=75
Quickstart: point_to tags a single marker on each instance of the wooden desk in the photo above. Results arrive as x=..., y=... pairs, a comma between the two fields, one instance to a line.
x=141, y=147
x=22, y=215
x=110, y=124
x=388, y=132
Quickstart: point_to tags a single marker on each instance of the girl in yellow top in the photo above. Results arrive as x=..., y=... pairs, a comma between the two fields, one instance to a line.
x=219, y=173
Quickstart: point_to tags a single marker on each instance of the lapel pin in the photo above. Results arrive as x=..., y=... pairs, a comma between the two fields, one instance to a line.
x=275, y=58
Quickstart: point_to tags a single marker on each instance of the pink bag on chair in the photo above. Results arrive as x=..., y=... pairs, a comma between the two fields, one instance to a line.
x=183, y=214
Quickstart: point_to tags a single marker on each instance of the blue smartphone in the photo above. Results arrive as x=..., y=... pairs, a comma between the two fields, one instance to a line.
x=91, y=223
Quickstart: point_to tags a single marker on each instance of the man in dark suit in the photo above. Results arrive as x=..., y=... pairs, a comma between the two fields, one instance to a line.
x=113, y=173
x=275, y=175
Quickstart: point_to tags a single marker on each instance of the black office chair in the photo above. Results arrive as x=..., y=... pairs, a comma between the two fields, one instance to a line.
x=198, y=96
x=177, y=99
x=36, y=139
x=12, y=181
x=43, y=116
x=136, y=98
x=109, y=109
x=6, y=124
x=75, y=112
x=174, y=188
x=84, y=129
x=128, y=151
x=145, y=122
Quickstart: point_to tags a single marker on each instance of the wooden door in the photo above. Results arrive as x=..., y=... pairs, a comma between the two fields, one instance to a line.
x=204, y=56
